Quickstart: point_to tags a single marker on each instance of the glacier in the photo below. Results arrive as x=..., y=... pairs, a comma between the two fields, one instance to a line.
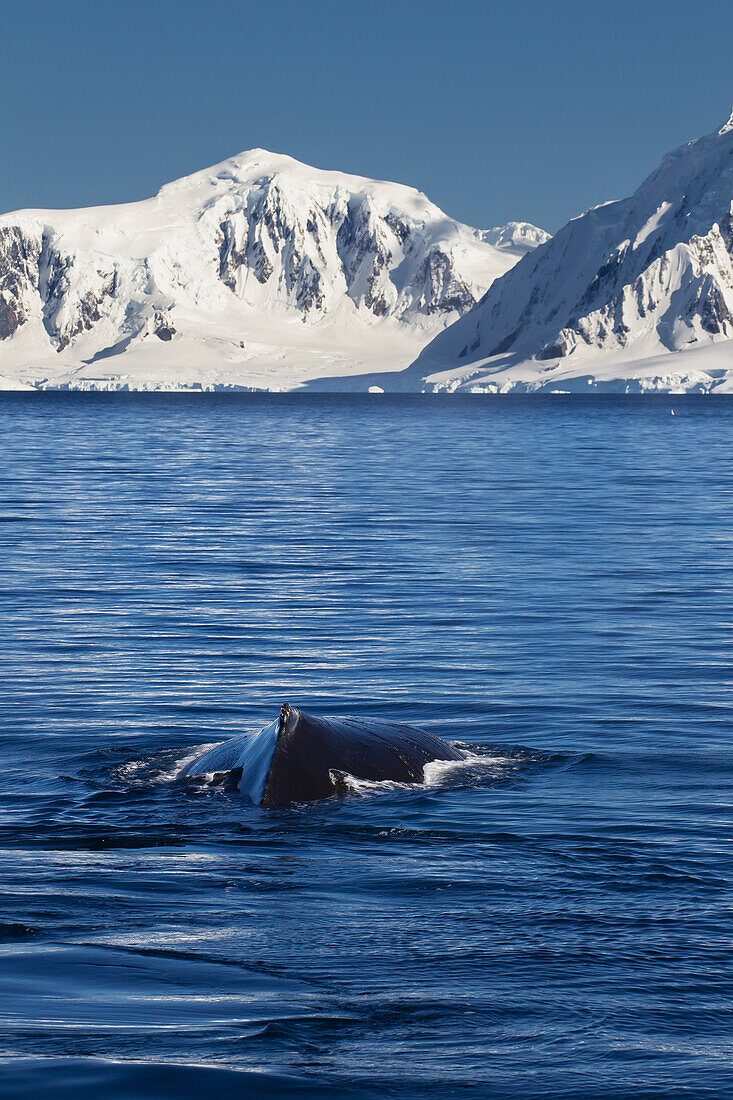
x=632, y=296
x=258, y=273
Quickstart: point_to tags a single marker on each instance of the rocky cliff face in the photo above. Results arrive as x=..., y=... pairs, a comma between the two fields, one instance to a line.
x=636, y=278
x=220, y=255
x=20, y=255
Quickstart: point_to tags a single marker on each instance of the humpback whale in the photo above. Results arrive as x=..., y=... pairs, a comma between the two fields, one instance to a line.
x=301, y=758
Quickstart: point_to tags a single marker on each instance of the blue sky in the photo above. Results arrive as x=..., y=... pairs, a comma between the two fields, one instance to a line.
x=533, y=110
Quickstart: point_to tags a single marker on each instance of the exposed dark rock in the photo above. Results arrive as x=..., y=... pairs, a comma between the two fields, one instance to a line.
x=714, y=313
x=9, y=322
x=262, y=267
x=375, y=301
x=19, y=260
x=231, y=257
x=443, y=291
x=310, y=294
x=163, y=327
x=398, y=226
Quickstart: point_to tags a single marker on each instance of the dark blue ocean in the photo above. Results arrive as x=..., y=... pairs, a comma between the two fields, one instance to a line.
x=547, y=580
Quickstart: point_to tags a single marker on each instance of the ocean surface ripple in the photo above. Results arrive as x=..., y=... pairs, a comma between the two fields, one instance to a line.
x=547, y=581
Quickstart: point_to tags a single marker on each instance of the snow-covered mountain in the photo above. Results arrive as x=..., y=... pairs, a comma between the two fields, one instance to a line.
x=606, y=300
x=258, y=272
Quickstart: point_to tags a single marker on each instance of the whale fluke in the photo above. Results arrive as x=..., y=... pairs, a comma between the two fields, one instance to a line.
x=292, y=759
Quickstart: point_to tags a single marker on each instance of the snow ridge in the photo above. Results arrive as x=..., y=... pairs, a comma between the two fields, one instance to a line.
x=626, y=282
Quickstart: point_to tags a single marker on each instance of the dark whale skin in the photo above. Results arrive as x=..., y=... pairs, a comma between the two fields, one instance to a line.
x=292, y=760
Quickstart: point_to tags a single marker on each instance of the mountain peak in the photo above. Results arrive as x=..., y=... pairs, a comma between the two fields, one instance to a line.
x=265, y=158
x=633, y=279
x=260, y=166
x=259, y=269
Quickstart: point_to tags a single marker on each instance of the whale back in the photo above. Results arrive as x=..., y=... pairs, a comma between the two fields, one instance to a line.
x=309, y=749
x=294, y=758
